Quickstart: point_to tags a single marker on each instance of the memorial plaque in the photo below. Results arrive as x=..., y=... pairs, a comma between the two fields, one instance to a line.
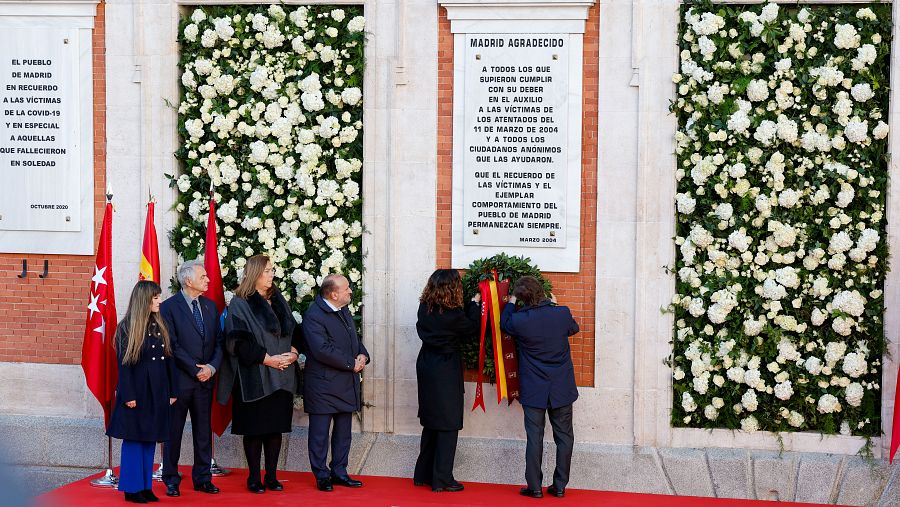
x=515, y=142
x=39, y=130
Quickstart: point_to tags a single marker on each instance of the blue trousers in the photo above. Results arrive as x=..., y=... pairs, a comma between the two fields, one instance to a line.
x=136, y=472
x=319, y=424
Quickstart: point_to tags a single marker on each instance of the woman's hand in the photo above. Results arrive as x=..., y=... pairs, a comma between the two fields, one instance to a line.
x=279, y=362
x=172, y=401
x=131, y=404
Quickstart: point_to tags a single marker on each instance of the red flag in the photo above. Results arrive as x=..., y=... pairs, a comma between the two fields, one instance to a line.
x=150, y=249
x=98, y=353
x=221, y=414
x=895, y=428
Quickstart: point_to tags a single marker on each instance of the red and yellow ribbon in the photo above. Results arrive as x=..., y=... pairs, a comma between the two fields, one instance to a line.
x=493, y=297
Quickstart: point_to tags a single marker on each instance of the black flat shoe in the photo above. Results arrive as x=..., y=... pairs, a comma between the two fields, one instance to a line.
x=256, y=487
x=531, y=493
x=206, y=487
x=452, y=488
x=552, y=491
x=274, y=485
x=135, y=497
x=346, y=482
x=149, y=496
x=172, y=490
x=324, y=485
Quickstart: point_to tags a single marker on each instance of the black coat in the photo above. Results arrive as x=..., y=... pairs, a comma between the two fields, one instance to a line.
x=546, y=373
x=150, y=382
x=189, y=346
x=329, y=384
x=439, y=367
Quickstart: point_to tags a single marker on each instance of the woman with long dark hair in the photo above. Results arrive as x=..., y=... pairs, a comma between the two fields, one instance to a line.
x=442, y=325
x=140, y=417
x=261, y=341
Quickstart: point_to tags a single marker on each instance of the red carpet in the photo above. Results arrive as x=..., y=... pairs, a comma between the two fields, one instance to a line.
x=299, y=490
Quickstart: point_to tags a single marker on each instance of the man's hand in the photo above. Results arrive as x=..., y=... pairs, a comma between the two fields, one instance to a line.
x=172, y=401
x=131, y=404
x=360, y=363
x=553, y=298
x=205, y=372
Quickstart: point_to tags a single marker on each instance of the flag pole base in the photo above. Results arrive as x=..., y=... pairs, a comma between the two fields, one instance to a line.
x=218, y=471
x=109, y=480
x=157, y=474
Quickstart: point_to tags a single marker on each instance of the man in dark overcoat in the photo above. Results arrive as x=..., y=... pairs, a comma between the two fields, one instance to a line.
x=197, y=339
x=546, y=379
x=335, y=356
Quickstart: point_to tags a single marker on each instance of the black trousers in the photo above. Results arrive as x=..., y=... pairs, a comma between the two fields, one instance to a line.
x=563, y=436
x=436, y=455
x=198, y=402
x=319, y=426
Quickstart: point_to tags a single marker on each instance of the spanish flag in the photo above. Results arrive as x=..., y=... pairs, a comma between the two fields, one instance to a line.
x=150, y=249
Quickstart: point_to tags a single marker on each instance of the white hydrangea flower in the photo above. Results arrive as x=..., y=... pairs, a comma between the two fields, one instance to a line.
x=757, y=90
x=828, y=404
x=191, y=32
x=851, y=302
x=687, y=402
x=749, y=401
x=784, y=390
x=865, y=56
x=862, y=92
x=854, y=364
x=846, y=36
x=854, y=393
x=750, y=424
x=357, y=24
x=857, y=130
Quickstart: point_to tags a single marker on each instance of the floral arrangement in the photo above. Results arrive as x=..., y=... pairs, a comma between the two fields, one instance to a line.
x=781, y=245
x=271, y=120
x=508, y=268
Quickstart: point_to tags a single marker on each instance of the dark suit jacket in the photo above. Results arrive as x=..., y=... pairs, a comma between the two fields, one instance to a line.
x=329, y=384
x=546, y=373
x=149, y=382
x=189, y=345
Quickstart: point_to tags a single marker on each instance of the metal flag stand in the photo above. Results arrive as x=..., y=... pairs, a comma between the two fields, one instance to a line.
x=109, y=479
x=214, y=468
x=157, y=474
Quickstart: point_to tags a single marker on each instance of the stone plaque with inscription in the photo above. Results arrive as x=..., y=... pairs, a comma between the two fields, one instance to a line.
x=515, y=144
x=39, y=130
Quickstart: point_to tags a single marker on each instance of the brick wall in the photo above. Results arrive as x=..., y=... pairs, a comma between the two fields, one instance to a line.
x=43, y=318
x=575, y=290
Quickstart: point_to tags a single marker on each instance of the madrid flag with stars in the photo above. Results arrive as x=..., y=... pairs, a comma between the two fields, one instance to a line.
x=98, y=353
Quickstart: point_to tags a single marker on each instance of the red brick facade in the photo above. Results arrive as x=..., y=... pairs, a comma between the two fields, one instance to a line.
x=43, y=318
x=575, y=290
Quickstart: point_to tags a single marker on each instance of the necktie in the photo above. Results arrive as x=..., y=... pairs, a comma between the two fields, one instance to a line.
x=198, y=317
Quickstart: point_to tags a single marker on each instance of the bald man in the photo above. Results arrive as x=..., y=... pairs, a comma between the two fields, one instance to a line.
x=331, y=389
